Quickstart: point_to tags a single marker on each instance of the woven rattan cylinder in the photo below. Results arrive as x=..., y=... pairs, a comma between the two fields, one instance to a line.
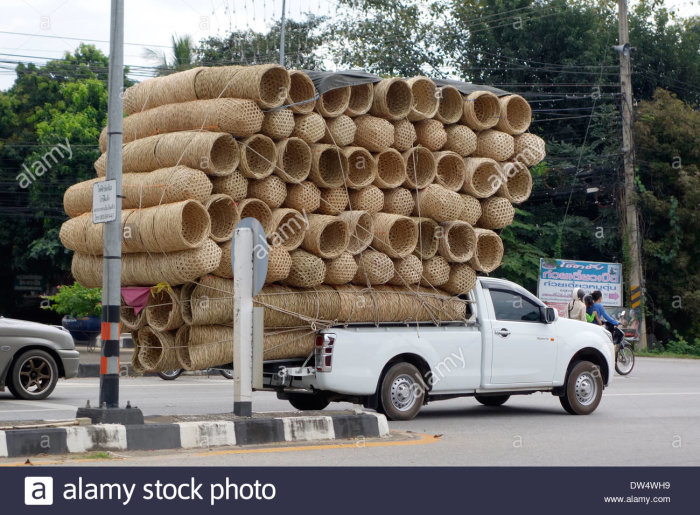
x=373, y=133
x=293, y=160
x=304, y=197
x=328, y=164
x=496, y=213
x=488, y=253
x=495, y=145
x=394, y=235
x=431, y=134
x=361, y=229
x=404, y=134
x=373, y=267
x=462, y=279
x=428, y=237
x=288, y=230
x=516, y=114
x=518, y=182
x=370, y=199
x=438, y=203
x=137, y=156
x=420, y=167
x=135, y=363
x=451, y=105
x=529, y=149
x=223, y=270
x=340, y=131
x=484, y=177
x=297, y=343
x=357, y=303
x=266, y=84
x=279, y=264
x=471, y=212
x=272, y=190
x=460, y=139
x=361, y=97
x=398, y=201
x=258, y=157
x=333, y=200
x=224, y=216
x=129, y=319
x=391, y=169
x=234, y=185
x=157, y=350
x=407, y=271
x=457, y=241
x=392, y=99
x=211, y=301
x=451, y=170
x=340, y=270
x=334, y=102
x=204, y=346
x=425, y=98
x=291, y=307
x=327, y=236
x=302, y=93
x=307, y=270
x=278, y=124
x=436, y=271
x=254, y=208
x=169, y=89
x=481, y=110
x=163, y=310
x=309, y=127
x=362, y=167
x=187, y=289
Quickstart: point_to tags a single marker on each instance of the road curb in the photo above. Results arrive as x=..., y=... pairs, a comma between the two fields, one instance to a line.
x=16, y=443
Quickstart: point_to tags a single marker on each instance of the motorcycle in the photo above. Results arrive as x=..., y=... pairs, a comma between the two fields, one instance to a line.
x=624, y=355
x=170, y=375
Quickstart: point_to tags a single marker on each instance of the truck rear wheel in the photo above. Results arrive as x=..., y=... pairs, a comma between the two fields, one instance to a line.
x=492, y=400
x=308, y=401
x=402, y=392
x=584, y=389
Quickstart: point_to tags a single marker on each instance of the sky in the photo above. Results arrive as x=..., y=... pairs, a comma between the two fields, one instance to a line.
x=37, y=30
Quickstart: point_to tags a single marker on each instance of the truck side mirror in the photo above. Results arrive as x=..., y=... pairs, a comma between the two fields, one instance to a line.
x=550, y=315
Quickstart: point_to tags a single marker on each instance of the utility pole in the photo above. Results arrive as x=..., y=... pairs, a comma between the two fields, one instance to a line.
x=282, y=28
x=631, y=215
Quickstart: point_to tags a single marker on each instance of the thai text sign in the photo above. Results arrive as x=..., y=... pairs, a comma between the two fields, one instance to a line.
x=558, y=277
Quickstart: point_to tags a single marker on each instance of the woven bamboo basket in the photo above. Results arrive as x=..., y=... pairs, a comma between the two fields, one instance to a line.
x=266, y=84
x=481, y=110
x=157, y=350
x=370, y=199
x=516, y=114
x=163, y=310
x=407, y=271
x=420, y=167
x=488, y=252
x=328, y=165
x=310, y=127
x=302, y=93
x=496, y=213
x=279, y=264
x=395, y=235
x=373, y=268
x=135, y=363
x=333, y=200
x=425, y=98
x=484, y=177
x=357, y=303
x=327, y=236
x=129, y=319
x=529, y=149
x=404, y=134
x=334, y=102
x=297, y=343
x=518, y=182
x=361, y=229
x=340, y=131
x=210, y=301
x=272, y=190
x=361, y=97
x=307, y=271
x=223, y=270
x=495, y=145
x=293, y=160
x=304, y=196
x=391, y=169
x=234, y=185
x=254, y=208
x=374, y=134
x=436, y=305
x=392, y=99
x=451, y=105
x=398, y=201
x=362, y=167
x=258, y=157
x=169, y=89
x=278, y=124
x=137, y=156
x=287, y=307
x=436, y=271
x=462, y=279
x=460, y=139
x=187, y=289
x=340, y=270
x=457, y=241
x=428, y=237
x=205, y=346
x=289, y=227
x=451, y=170
x=471, y=211
x=431, y=134
x=439, y=203
x=162, y=186
x=224, y=216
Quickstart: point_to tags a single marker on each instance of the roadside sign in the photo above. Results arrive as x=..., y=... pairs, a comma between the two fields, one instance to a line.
x=104, y=201
x=558, y=277
x=260, y=252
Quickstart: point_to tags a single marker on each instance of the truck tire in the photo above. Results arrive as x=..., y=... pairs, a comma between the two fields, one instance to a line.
x=584, y=389
x=492, y=400
x=33, y=375
x=402, y=392
x=308, y=401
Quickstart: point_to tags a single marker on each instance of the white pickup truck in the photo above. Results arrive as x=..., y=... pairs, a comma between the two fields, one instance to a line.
x=512, y=344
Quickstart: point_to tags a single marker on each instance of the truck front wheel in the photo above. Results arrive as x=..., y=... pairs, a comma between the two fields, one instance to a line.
x=308, y=401
x=492, y=400
x=402, y=392
x=584, y=389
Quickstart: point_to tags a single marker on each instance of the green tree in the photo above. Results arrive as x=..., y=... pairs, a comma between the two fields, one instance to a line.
x=182, y=56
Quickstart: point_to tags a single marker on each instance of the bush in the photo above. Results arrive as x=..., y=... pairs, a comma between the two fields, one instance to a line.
x=76, y=301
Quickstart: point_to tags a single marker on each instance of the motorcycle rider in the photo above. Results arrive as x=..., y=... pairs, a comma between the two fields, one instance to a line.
x=609, y=322
x=576, y=309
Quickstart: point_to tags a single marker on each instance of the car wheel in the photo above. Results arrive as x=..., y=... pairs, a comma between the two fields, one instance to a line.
x=402, y=392
x=308, y=401
x=584, y=389
x=492, y=400
x=33, y=376
x=170, y=375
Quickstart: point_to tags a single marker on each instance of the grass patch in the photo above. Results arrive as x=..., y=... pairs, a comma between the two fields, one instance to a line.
x=97, y=455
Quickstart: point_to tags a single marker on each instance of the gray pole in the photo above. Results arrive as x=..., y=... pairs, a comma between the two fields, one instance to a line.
x=284, y=8
x=243, y=248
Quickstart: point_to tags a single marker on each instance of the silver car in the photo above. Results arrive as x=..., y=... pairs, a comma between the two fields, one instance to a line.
x=33, y=356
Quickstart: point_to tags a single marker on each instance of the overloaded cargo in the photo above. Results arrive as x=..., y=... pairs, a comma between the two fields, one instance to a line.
x=381, y=199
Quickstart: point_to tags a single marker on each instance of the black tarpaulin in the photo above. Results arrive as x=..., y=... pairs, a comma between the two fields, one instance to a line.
x=326, y=81
x=466, y=88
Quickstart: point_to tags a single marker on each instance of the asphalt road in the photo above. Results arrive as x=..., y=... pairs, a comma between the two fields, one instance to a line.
x=650, y=418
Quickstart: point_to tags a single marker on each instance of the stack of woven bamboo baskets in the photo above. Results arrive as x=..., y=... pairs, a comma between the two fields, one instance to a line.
x=380, y=202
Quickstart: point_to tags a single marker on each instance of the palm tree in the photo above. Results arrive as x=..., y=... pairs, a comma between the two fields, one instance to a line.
x=182, y=57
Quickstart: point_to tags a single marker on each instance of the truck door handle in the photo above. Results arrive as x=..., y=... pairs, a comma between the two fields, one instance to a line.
x=503, y=332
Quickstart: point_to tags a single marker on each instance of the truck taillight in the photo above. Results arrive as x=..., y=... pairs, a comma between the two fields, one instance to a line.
x=323, y=352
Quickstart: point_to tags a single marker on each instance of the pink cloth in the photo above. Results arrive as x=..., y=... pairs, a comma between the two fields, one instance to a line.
x=136, y=297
